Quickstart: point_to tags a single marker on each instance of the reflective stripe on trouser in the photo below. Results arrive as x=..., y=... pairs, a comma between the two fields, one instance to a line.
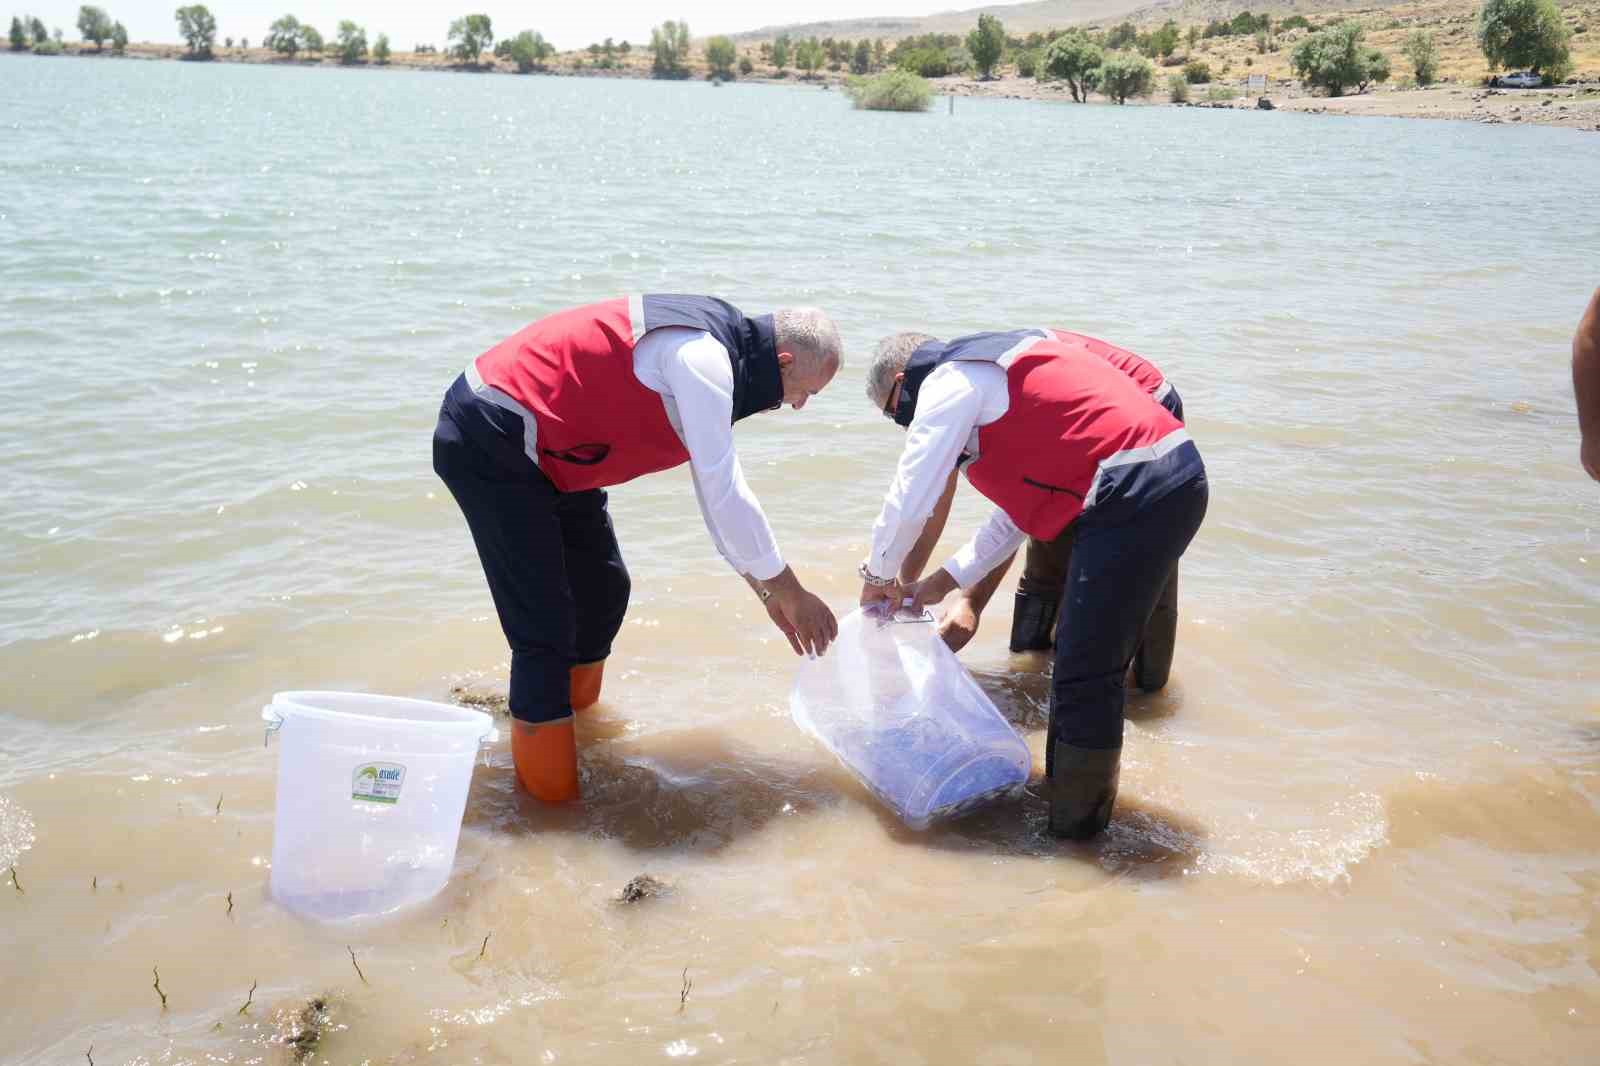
x=1121, y=560
x=551, y=558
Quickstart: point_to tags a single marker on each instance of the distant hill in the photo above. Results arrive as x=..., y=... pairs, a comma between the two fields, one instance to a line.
x=1042, y=15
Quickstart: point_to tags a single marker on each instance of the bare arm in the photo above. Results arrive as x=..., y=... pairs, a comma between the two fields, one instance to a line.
x=1586, y=384
x=922, y=550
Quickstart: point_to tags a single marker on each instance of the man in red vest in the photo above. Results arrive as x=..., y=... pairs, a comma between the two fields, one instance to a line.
x=536, y=428
x=1057, y=436
x=1044, y=570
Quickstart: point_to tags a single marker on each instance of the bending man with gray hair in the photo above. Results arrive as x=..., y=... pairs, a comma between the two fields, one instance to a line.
x=1059, y=438
x=537, y=427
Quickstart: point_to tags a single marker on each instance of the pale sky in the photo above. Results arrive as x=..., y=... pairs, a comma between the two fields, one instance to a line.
x=571, y=25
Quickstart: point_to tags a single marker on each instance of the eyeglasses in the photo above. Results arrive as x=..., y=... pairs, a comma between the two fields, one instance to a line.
x=889, y=404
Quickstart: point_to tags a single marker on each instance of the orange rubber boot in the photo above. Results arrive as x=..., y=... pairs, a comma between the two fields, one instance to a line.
x=586, y=678
x=546, y=757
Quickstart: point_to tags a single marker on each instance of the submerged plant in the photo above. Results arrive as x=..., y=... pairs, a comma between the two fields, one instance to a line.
x=893, y=90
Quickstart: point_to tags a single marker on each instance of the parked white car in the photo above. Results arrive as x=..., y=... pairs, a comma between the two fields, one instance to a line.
x=1519, y=79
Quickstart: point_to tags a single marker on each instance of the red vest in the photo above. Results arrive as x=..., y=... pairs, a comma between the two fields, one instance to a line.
x=595, y=423
x=1136, y=367
x=1071, y=412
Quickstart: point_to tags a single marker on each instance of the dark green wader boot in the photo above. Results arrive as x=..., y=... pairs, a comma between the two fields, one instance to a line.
x=1083, y=788
x=1038, y=599
x=1152, y=664
x=1033, y=622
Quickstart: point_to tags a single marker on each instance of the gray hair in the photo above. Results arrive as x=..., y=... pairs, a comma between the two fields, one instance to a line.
x=808, y=331
x=894, y=351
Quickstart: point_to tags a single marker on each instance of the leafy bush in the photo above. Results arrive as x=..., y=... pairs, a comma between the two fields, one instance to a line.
x=721, y=55
x=809, y=56
x=352, y=43
x=119, y=39
x=1027, y=63
x=1122, y=36
x=311, y=38
x=861, y=58
x=986, y=45
x=380, y=50
x=1424, y=57
x=670, y=43
x=1177, y=89
x=198, y=27
x=893, y=90
x=94, y=25
x=1525, y=33
x=528, y=50
x=1125, y=74
x=47, y=47
x=1196, y=72
x=1219, y=93
x=1335, y=58
x=1075, y=59
x=745, y=66
x=927, y=62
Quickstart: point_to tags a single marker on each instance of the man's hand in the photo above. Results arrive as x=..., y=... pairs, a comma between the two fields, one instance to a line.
x=801, y=616
x=930, y=590
x=888, y=595
x=959, y=624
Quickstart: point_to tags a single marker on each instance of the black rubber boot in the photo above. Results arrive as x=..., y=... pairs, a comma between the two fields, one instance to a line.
x=1034, y=617
x=1152, y=665
x=1083, y=789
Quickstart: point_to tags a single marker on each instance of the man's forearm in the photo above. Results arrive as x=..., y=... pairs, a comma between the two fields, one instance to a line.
x=1586, y=369
x=922, y=550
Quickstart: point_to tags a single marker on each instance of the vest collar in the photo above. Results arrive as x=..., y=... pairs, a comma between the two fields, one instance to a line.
x=924, y=361
x=757, y=383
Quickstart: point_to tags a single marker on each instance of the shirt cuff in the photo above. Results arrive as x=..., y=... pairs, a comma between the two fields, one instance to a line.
x=766, y=567
x=968, y=567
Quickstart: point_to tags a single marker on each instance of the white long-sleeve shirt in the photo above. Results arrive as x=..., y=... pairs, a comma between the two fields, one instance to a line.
x=952, y=403
x=691, y=371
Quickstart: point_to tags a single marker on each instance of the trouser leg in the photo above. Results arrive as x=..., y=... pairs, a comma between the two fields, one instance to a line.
x=516, y=526
x=1117, y=573
x=600, y=586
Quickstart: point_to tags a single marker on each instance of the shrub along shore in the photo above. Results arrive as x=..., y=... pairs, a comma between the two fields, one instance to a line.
x=1432, y=59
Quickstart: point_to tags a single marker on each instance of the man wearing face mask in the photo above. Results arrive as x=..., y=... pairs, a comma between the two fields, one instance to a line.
x=1057, y=437
x=536, y=428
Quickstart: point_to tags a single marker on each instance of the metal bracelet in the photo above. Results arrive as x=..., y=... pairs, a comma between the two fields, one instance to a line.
x=873, y=579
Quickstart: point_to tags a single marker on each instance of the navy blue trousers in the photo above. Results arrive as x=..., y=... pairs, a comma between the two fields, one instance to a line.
x=551, y=558
x=1122, y=556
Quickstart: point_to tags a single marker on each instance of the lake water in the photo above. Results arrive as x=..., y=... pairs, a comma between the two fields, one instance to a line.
x=1360, y=826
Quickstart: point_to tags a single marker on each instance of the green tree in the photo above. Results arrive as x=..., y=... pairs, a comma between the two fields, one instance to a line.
x=1121, y=36
x=780, y=51
x=670, y=44
x=380, y=50
x=94, y=25
x=1027, y=61
x=471, y=34
x=721, y=55
x=1196, y=72
x=1424, y=57
x=1164, y=41
x=528, y=50
x=352, y=42
x=119, y=39
x=746, y=67
x=36, y=30
x=19, y=35
x=987, y=44
x=285, y=36
x=1075, y=59
x=1525, y=33
x=861, y=59
x=1125, y=74
x=198, y=27
x=809, y=56
x=1335, y=58
x=1177, y=89
x=311, y=39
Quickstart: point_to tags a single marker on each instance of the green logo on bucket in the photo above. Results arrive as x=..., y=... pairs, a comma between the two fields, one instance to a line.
x=378, y=782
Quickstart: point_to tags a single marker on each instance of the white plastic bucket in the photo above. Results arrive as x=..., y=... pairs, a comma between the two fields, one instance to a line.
x=371, y=790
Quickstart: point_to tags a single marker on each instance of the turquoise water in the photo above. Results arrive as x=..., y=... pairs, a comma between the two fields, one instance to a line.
x=231, y=297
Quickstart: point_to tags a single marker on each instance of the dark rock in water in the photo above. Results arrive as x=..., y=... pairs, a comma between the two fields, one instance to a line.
x=493, y=703
x=302, y=1030
x=1263, y=104
x=642, y=887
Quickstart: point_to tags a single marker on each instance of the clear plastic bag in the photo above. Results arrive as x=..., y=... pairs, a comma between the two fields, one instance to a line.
x=903, y=715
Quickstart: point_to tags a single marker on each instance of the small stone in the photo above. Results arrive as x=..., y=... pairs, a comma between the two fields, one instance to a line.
x=642, y=887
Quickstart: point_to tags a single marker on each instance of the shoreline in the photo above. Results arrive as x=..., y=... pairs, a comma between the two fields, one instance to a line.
x=1566, y=106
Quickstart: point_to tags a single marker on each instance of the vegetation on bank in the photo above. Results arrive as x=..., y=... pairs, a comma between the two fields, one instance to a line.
x=892, y=90
x=1119, y=62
